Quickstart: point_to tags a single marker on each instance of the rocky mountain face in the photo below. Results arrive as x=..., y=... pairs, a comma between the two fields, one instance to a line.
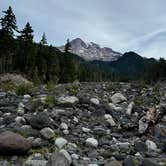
x=92, y=51
x=84, y=124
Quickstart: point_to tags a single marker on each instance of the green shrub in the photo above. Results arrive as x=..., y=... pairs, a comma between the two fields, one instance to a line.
x=51, y=86
x=23, y=89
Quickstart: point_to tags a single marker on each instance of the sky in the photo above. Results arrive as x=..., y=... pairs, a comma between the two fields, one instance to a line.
x=123, y=25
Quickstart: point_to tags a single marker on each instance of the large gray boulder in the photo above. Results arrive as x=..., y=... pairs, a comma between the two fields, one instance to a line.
x=13, y=144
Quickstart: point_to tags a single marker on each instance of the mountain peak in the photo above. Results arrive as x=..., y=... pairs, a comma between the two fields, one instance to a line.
x=92, y=51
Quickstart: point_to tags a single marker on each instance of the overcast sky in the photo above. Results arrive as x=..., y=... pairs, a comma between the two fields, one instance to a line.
x=123, y=25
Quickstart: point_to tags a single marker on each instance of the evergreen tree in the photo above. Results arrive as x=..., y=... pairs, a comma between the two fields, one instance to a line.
x=7, y=42
x=26, y=55
x=67, y=46
x=44, y=39
x=68, y=71
x=8, y=22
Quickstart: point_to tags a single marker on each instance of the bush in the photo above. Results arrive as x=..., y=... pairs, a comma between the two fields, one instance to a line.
x=23, y=89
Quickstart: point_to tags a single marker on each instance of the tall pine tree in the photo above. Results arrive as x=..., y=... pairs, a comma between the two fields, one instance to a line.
x=7, y=42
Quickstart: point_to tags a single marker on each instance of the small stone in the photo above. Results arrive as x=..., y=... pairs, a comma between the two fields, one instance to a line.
x=92, y=142
x=35, y=163
x=85, y=130
x=64, y=126
x=151, y=145
x=75, y=156
x=118, y=98
x=143, y=125
x=20, y=120
x=95, y=101
x=113, y=163
x=130, y=108
x=109, y=119
x=60, y=142
x=47, y=133
x=27, y=96
x=66, y=132
x=68, y=100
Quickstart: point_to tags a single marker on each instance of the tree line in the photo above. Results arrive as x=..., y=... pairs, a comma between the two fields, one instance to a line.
x=43, y=63
x=40, y=62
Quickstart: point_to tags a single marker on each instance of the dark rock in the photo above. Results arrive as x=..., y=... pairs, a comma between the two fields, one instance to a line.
x=128, y=161
x=149, y=162
x=13, y=144
x=140, y=147
x=40, y=121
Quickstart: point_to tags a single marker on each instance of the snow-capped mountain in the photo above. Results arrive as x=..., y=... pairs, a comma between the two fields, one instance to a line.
x=92, y=51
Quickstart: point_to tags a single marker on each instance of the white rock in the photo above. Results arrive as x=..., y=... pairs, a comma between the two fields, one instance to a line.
x=27, y=96
x=66, y=155
x=130, y=108
x=20, y=111
x=92, y=142
x=66, y=132
x=114, y=107
x=85, y=130
x=21, y=105
x=60, y=142
x=75, y=119
x=75, y=156
x=25, y=127
x=95, y=101
x=20, y=120
x=68, y=100
x=64, y=126
x=118, y=98
x=47, y=133
x=143, y=125
x=151, y=145
x=35, y=163
x=109, y=119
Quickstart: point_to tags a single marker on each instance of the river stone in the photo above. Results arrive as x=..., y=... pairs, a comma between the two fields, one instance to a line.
x=92, y=142
x=95, y=101
x=118, y=98
x=13, y=144
x=60, y=159
x=143, y=125
x=47, y=133
x=39, y=121
x=35, y=163
x=68, y=100
x=113, y=163
x=60, y=142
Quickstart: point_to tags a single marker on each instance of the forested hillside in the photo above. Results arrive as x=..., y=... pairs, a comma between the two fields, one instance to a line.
x=43, y=63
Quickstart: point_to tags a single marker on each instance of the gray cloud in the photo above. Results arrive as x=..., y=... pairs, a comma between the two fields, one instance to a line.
x=121, y=24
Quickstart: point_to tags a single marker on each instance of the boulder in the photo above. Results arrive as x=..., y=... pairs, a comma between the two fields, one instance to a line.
x=39, y=121
x=118, y=98
x=13, y=144
x=61, y=158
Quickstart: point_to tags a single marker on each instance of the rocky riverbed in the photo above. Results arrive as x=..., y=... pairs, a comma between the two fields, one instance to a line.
x=84, y=124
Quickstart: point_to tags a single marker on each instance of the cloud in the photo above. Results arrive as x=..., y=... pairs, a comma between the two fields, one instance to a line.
x=120, y=24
